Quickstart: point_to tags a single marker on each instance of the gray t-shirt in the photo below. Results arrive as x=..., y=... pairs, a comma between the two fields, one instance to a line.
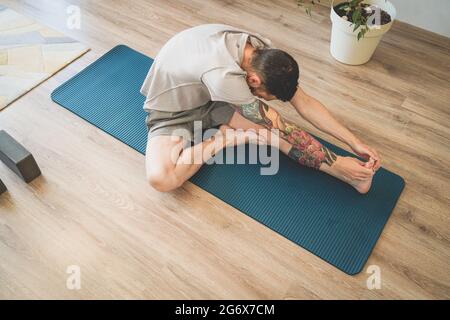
x=198, y=65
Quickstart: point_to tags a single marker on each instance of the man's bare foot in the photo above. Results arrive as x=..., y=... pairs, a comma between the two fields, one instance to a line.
x=362, y=186
x=357, y=173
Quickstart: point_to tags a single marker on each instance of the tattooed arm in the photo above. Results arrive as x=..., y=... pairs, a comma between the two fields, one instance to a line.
x=305, y=149
x=315, y=112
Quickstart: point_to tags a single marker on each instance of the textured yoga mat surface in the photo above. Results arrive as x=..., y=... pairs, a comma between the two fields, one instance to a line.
x=316, y=211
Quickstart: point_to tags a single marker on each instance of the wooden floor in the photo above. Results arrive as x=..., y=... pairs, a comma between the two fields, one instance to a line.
x=93, y=208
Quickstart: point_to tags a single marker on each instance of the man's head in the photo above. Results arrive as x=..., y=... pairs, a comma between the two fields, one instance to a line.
x=272, y=74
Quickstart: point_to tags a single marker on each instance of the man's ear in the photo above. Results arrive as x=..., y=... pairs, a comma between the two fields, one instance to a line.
x=253, y=80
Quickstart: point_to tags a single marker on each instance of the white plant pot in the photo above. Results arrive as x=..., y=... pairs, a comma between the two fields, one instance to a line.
x=345, y=46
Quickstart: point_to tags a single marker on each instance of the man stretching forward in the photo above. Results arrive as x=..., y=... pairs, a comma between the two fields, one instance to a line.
x=212, y=73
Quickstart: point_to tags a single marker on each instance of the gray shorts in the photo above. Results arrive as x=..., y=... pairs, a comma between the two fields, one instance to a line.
x=211, y=115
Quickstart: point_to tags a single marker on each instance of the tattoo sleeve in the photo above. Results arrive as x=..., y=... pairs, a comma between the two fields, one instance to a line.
x=305, y=149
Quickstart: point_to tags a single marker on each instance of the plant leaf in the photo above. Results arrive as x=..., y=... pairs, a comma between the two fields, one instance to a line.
x=356, y=16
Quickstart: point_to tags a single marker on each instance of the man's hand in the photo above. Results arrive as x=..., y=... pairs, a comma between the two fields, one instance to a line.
x=368, y=153
x=352, y=169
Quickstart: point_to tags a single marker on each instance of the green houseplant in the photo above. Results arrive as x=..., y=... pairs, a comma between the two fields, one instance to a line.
x=358, y=26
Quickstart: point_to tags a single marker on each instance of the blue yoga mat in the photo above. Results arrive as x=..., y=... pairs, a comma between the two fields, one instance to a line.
x=314, y=210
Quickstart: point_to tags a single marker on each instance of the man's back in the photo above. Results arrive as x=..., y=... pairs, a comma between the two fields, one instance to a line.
x=198, y=65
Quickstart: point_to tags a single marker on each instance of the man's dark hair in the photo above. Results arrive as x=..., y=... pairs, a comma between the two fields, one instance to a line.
x=279, y=71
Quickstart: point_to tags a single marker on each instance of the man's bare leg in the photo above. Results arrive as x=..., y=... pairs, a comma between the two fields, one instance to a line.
x=169, y=163
x=302, y=147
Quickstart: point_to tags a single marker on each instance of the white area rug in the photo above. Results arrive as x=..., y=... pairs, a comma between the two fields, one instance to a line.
x=30, y=53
